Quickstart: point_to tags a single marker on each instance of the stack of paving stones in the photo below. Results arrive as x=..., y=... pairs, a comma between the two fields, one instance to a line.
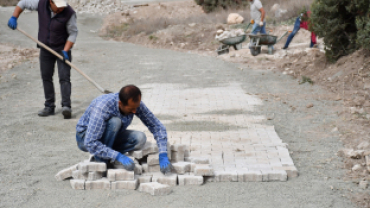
x=146, y=176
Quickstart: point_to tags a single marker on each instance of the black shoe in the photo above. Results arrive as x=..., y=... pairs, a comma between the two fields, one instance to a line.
x=67, y=112
x=47, y=111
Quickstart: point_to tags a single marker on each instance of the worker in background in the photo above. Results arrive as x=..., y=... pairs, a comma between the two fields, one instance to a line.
x=257, y=17
x=58, y=30
x=301, y=22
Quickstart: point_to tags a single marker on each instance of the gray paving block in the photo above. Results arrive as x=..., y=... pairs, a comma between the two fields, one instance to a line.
x=103, y=183
x=190, y=180
x=65, y=173
x=192, y=167
x=120, y=175
x=77, y=184
x=181, y=167
x=277, y=175
x=155, y=189
x=177, y=156
x=154, y=168
x=200, y=160
x=94, y=175
x=169, y=179
x=144, y=167
x=145, y=179
x=291, y=171
x=250, y=176
x=131, y=185
x=136, y=154
x=92, y=166
x=79, y=175
x=138, y=169
x=226, y=176
x=203, y=170
x=149, y=148
x=153, y=159
x=178, y=147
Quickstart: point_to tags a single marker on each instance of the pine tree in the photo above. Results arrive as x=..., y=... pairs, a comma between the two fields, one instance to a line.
x=344, y=25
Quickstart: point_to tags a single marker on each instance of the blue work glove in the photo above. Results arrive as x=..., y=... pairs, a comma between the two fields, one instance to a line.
x=65, y=56
x=127, y=163
x=12, y=23
x=164, y=163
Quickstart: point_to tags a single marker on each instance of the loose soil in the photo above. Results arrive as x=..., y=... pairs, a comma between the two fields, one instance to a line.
x=190, y=29
x=11, y=56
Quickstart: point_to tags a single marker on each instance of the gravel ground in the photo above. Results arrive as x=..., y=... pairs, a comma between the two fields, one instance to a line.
x=33, y=149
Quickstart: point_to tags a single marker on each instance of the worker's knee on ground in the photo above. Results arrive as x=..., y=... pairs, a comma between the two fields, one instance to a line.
x=114, y=124
x=140, y=138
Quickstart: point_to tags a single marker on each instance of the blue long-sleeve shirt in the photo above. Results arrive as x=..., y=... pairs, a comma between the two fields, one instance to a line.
x=104, y=107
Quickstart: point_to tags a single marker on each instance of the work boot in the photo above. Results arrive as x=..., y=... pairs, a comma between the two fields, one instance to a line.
x=67, y=112
x=47, y=111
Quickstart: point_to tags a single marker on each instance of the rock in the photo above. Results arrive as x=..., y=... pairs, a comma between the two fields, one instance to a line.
x=334, y=129
x=350, y=153
x=363, y=184
x=309, y=105
x=192, y=24
x=363, y=145
x=338, y=98
x=234, y=18
x=10, y=66
x=356, y=167
x=219, y=32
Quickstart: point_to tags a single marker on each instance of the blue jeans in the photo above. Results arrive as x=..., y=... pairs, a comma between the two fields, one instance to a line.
x=297, y=27
x=120, y=140
x=258, y=29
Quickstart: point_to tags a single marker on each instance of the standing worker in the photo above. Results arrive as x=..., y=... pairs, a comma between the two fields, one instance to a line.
x=102, y=129
x=257, y=17
x=301, y=22
x=58, y=30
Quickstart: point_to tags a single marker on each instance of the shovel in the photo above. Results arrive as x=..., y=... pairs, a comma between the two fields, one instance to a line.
x=67, y=62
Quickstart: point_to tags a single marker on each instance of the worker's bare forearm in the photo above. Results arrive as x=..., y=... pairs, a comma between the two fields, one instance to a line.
x=68, y=45
x=17, y=11
x=263, y=13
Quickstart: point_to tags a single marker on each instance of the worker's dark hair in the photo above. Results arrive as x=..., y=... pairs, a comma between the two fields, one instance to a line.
x=129, y=92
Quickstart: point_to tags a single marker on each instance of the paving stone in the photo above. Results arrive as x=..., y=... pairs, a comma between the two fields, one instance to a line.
x=277, y=175
x=169, y=179
x=65, y=173
x=144, y=167
x=120, y=175
x=145, y=179
x=149, y=148
x=103, y=183
x=153, y=159
x=199, y=160
x=291, y=171
x=77, y=184
x=181, y=167
x=93, y=176
x=250, y=176
x=155, y=189
x=138, y=169
x=226, y=176
x=136, y=154
x=92, y=166
x=131, y=185
x=79, y=175
x=203, y=170
x=178, y=148
x=190, y=180
x=154, y=168
x=177, y=156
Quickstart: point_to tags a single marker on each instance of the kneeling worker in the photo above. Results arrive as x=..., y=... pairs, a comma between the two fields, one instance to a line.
x=102, y=129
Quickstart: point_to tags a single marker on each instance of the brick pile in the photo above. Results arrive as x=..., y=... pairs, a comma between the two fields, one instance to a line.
x=146, y=176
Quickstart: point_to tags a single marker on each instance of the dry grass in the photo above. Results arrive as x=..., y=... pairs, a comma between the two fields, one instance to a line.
x=8, y=2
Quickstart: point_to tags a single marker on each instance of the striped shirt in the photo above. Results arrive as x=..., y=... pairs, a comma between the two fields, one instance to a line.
x=104, y=107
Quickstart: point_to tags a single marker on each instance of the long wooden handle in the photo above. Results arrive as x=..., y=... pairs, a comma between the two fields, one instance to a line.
x=61, y=57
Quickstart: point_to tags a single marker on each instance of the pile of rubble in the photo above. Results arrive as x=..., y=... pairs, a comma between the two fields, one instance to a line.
x=98, y=6
x=146, y=175
x=223, y=34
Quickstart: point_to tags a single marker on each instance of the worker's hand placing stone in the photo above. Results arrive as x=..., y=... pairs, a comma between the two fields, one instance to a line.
x=127, y=163
x=12, y=23
x=164, y=163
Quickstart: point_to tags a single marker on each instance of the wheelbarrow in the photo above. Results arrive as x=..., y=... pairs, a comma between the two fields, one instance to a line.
x=235, y=42
x=257, y=41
